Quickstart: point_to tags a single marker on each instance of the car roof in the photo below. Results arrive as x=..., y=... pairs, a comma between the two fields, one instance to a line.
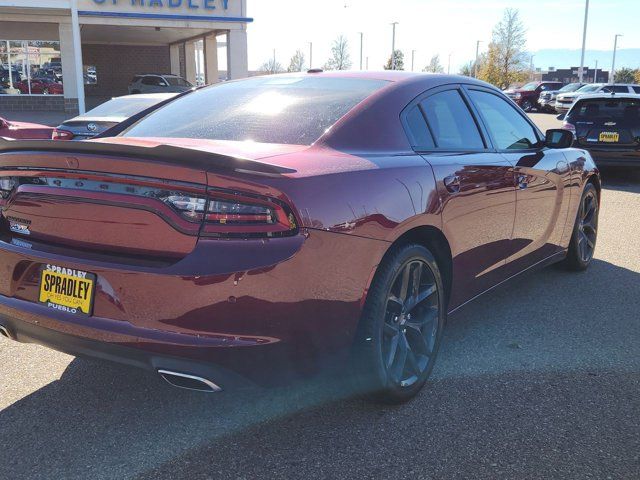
x=159, y=96
x=395, y=76
x=611, y=95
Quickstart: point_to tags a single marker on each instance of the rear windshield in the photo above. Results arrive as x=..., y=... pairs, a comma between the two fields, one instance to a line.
x=177, y=82
x=572, y=87
x=123, y=106
x=287, y=109
x=604, y=110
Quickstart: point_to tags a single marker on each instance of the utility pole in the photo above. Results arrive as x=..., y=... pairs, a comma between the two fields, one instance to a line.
x=413, y=59
x=531, y=67
x=310, y=55
x=475, y=69
x=612, y=75
x=393, y=47
x=584, y=41
x=361, y=47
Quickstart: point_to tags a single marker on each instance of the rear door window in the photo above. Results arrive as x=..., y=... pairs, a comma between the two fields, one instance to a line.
x=418, y=129
x=451, y=122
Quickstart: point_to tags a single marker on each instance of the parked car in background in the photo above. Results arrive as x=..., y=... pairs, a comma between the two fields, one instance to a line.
x=547, y=99
x=608, y=127
x=153, y=83
x=527, y=96
x=4, y=77
x=41, y=86
x=233, y=233
x=564, y=101
x=25, y=130
x=109, y=114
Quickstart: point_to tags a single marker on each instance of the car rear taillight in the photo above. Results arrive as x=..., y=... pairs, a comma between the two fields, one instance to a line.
x=61, y=135
x=226, y=214
x=569, y=126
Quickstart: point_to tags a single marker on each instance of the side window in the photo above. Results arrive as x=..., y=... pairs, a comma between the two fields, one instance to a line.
x=418, y=129
x=451, y=122
x=636, y=89
x=621, y=89
x=510, y=131
x=149, y=81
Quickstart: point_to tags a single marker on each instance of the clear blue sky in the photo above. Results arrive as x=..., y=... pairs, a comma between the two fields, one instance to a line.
x=431, y=27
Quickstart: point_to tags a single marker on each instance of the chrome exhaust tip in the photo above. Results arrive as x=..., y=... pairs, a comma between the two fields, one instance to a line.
x=189, y=382
x=5, y=332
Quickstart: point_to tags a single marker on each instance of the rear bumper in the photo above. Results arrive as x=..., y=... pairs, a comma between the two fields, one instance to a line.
x=25, y=332
x=615, y=158
x=281, y=313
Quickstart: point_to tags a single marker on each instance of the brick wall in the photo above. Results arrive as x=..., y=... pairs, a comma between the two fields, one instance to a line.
x=25, y=103
x=117, y=64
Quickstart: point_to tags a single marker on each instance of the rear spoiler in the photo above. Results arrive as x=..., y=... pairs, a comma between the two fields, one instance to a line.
x=170, y=154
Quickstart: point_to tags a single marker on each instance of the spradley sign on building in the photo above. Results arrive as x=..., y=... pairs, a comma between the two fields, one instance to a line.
x=212, y=10
x=154, y=4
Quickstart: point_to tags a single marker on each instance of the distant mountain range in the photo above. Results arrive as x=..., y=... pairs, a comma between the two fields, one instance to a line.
x=566, y=58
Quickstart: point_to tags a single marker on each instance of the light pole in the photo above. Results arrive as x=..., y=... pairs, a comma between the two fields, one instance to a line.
x=612, y=75
x=595, y=73
x=475, y=67
x=531, y=67
x=584, y=41
x=393, y=46
x=361, y=47
x=449, y=65
x=413, y=59
x=310, y=55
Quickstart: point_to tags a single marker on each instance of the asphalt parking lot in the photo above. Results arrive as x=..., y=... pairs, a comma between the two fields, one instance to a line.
x=539, y=379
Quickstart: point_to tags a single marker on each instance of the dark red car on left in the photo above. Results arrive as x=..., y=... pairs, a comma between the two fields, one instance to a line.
x=40, y=86
x=25, y=130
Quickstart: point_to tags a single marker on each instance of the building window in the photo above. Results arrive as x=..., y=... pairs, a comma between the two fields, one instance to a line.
x=30, y=68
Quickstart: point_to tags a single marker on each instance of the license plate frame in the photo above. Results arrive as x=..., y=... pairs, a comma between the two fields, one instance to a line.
x=74, y=292
x=609, y=137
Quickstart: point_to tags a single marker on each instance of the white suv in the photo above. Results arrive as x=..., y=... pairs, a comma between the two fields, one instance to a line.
x=565, y=101
x=158, y=83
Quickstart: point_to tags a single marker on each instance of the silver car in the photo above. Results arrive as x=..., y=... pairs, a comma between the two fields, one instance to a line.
x=158, y=83
x=565, y=101
x=109, y=114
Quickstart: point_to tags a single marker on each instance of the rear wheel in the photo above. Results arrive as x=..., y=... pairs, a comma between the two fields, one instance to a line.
x=527, y=106
x=402, y=325
x=585, y=231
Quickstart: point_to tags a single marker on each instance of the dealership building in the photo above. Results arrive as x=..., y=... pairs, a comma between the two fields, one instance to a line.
x=92, y=49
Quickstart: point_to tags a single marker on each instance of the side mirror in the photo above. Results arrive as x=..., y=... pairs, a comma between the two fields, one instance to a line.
x=558, y=138
x=562, y=116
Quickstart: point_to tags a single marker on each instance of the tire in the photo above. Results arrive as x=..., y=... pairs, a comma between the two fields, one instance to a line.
x=400, y=332
x=527, y=106
x=45, y=91
x=585, y=231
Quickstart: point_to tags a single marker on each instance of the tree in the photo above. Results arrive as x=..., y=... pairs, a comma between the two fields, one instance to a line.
x=434, y=65
x=340, y=58
x=399, y=58
x=468, y=69
x=637, y=76
x=297, y=62
x=625, y=75
x=506, y=60
x=271, y=66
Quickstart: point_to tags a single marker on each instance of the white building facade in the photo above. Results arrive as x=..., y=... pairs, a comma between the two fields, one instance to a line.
x=93, y=48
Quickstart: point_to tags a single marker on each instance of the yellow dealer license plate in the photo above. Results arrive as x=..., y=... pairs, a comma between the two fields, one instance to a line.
x=609, y=137
x=67, y=289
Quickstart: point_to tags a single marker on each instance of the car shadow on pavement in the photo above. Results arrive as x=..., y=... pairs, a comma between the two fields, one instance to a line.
x=537, y=379
x=622, y=179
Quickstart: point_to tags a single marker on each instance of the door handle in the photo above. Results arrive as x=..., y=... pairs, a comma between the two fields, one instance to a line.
x=452, y=183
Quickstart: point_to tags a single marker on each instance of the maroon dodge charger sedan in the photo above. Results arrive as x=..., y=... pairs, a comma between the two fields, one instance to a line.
x=259, y=229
